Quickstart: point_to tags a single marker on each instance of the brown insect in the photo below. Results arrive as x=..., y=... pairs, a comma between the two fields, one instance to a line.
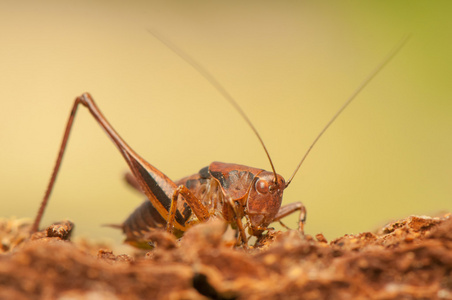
x=229, y=191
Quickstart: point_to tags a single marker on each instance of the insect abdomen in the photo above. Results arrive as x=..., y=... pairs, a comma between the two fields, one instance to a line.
x=141, y=222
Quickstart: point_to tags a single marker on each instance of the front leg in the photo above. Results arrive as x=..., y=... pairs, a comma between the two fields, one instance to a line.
x=238, y=221
x=290, y=209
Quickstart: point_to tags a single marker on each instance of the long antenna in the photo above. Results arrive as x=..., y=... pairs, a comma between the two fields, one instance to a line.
x=214, y=82
x=366, y=81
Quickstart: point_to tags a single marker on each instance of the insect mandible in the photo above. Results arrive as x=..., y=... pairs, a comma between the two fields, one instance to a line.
x=247, y=198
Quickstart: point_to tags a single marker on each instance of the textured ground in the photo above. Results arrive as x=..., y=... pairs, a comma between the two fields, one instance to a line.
x=406, y=259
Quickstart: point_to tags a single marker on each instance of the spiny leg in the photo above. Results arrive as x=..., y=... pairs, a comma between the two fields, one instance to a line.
x=238, y=220
x=197, y=207
x=157, y=187
x=290, y=209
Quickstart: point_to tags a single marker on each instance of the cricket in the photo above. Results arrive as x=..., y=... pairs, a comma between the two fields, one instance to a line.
x=247, y=198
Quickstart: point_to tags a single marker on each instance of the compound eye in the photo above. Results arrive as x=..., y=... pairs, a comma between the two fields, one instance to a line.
x=262, y=186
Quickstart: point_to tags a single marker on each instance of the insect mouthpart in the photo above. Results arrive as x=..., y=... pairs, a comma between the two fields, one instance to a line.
x=264, y=201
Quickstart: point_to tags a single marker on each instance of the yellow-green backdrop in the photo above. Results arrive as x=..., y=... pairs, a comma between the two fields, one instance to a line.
x=290, y=65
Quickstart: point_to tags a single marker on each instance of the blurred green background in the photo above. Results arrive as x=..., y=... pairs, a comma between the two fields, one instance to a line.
x=290, y=65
